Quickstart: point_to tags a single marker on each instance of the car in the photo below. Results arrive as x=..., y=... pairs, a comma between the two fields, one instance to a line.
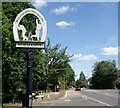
x=78, y=88
x=70, y=86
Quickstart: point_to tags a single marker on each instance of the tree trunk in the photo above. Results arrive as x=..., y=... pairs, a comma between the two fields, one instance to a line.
x=55, y=88
x=37, y=89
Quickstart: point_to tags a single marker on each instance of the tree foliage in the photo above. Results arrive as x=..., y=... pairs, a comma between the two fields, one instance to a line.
x=56, y=61
x=82, y=82
x=39, y=74
x=14, y=62
x=66, y=78
x=104, y=75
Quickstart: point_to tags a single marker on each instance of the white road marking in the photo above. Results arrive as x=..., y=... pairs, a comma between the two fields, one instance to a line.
x=64, y=96
x=67, y=100
x=84, y=96
x=47, y=102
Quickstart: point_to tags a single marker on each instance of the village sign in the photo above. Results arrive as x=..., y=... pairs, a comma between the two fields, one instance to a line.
x=28, y=41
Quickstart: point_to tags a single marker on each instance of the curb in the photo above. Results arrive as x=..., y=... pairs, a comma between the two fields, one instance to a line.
x=58, y=97
x=64, y=96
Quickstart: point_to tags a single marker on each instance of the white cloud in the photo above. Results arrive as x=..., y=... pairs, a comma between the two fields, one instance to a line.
x=86, y=57
x=64, y=24
x=60, y=10
x=109, y=51
x=76, y=56
x=40, y=3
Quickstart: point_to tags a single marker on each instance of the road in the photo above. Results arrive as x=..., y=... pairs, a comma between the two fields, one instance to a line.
x=85, y=98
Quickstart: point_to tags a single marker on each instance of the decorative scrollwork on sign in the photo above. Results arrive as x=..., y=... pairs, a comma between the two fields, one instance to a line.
x=42, y=24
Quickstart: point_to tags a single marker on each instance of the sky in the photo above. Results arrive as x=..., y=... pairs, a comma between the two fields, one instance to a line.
x=89, y=30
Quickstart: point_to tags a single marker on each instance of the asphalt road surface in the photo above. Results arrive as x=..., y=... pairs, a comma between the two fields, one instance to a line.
x=86, y=98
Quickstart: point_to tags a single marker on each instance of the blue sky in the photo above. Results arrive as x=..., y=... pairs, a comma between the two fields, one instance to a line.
x=88, y=29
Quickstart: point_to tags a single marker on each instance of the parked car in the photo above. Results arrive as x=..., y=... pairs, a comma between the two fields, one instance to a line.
x=78, y=88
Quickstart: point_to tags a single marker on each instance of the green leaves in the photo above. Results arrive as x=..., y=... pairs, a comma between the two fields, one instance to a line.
x=38, y=70
x=104, y=74
x=13, y=60
x=82, y=82
x=56, y=61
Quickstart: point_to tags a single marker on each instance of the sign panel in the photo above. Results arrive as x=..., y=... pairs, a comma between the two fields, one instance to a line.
x=28, y=41
x=30, y=44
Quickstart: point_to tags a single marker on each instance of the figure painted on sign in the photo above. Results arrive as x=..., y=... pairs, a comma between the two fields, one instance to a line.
x=37, y=31
x=29, y=36
x=21, y=27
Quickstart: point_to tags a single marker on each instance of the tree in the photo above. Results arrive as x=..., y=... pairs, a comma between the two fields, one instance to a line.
x=56, y=61
x=13, y=60
x=82, y=82
x=38, y=70
x=67, y=77
x=104, y=75
x=90, y=82
x=118, y=80
x=70, y=75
